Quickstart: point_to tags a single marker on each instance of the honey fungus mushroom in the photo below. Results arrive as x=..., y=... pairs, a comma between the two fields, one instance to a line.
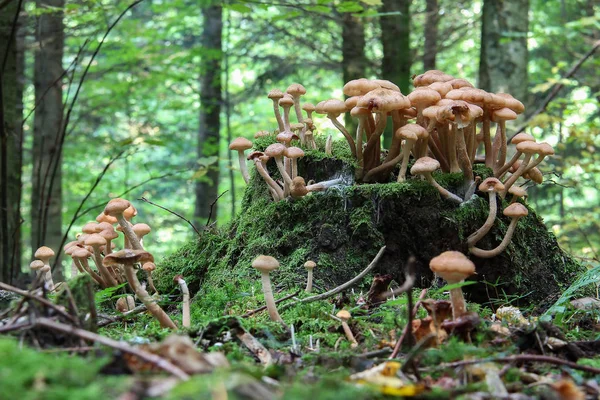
x=453, y=267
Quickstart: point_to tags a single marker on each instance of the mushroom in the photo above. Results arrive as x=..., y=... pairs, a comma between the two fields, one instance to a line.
x=298, y=188
x=286, y=102
x=520, y=137
x=529, y=149
x=44, y=254
x=266, y=264
x=125, y=304
x=185, y=313
x=410, y=133
x=129, y=258
x=425, y=166
x=333, y=108
x=36, y=266
x=515, y=211
x=109, y=235
x=294, y=153
x=492, y=186
x=150, y=267
x=80, y=255
x=140, y=231
x=257, y=157
x=345, y=316
x=95, y=240
x=518, y=192
x=277, y=151
x=276, y=95
x=454, y=267
x=296, y=90
x=240, y=145
x=116, y=208
x=309, y=265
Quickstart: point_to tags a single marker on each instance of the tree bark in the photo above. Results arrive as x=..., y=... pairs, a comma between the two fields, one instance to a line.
x=46, y=198
x=11, y=139
x=210, y=109
x=395, y=38
x=354, y=61
x=431, y=34
x=504, y=56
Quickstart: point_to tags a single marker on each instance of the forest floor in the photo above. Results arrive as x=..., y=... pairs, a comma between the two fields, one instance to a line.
x=72, y=345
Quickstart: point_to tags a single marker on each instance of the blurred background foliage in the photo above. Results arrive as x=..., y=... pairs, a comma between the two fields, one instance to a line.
x=140, y=99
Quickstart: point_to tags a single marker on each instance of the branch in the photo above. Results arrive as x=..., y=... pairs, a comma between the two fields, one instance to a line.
x=341, y=287
x=259, y=309
x=211, y=207
x=39, y=299
x=556, y=88
x=145, y=200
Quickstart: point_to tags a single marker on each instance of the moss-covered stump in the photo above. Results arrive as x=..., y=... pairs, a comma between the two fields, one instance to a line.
x=342, y=230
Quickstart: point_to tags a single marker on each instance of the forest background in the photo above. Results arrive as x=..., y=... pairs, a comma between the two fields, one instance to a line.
x=140, y=99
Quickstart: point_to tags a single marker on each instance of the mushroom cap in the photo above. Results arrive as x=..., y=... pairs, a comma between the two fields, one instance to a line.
x=149, y=267
x=240, y=144
x=286, y=137
x=331, y=107
x=116, y=206
x=80, y=252
x=275, y=150
x=385, y=84
x=69, y=245
x=36, y=265
x=90, y=227
x=504, y=114
x=453, y=266
x=471, y=95
x=431, y=112
x=359, y=111
x=255, y=154
x=286, y=101
x=344, y=315
x=130, y=212
x=296, y=89
x=106, y=218
x=109, y=234
x=522, y=137
x=424, y=96
x=516, y=210
x=424, y=165
x=528, y=147
x=535, y=175
x=359, y=87
x=296, y=126
x=459, y=83
x=294, y=152
x=44, y=252
x=95, y=239
x=127, y=256
x=265, y=263
x=351, y=102
x=384, y=100
x=308, y=107
x=512, y=103
x=104, y=226
x=261, y=134
x=491, y=185
x=431, y=76
x=298, y=187
x=141, y=229
x=310, y=264
x=412, y=132
x=546, y=149
x=517, y=191
x=275, y=94
x=441, y=87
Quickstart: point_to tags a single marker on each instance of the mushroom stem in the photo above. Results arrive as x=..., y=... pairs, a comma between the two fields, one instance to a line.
x=347, y=135
x=93, y=274
x=272, y=184
x=129, y=233
x=463, y=156
x=458, y=302
x=500, y=248
x=328, y=145
x=280, y=126
x=349, y=335
x=320, y=186
x=309, y=280
x=185, y=317
x=513, y=178
x=106, y=275
x=408, y=145
x=284, y=174
x=269, y=300
x=487, y=141
x=148, y=301
x=443, y=192
x=382, y=171
x=507, y=166
x=243, y=168
x=489, y=222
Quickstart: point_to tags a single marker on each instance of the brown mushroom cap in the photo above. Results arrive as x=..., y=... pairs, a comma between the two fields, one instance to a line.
x=308, y=107
x=310, y=264
x=294, y=152
x=344, y=315
x=130, y=212
x=516, y=210
x=275, y=150
x=286, y=101
x=106, y=218
x=116, y=206
x=504, y=114
x=275, y=94
x=80, y=252
x=296, y=89
x=358, y=87
x=141, y=229
x=240, y=144
x=384, y=100
x=95, y=239
x=431, y=76
x=453, y=266
x=36, y=265
x=522, y=137
x=517, y=191
x=44, y=252
x=109, y=234
x=150, y=266
x=331, y=107
x=260, y=134
x=535, y=175
x=441, y=87
x=528, y=147
x=459, y=83
x=265, y=263
x=424, y=96
x=512, y=103
x=127, y=256
x=90, y=227
x=491, y=185
x=424, y=165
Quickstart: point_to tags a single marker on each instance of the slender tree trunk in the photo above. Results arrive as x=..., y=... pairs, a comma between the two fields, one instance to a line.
x=504, y=56
x=354, y=61
x=11, y=68
x=46, y=198
x=210, y=109
x=431, y=34
x=395, y=38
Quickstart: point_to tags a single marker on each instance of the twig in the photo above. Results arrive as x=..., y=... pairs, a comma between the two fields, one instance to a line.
x=259, y=309
x=407, y=327
x=122, y=346
x=110, y=319
x=520, y=358
x=556, y=88
x=39, y=299
x=255, y=347
x=341, y=287
x=145, y=200
x=210, y=212
x=409, y=280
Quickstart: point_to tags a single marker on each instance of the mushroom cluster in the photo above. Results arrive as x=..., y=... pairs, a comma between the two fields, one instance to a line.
x=111, y=268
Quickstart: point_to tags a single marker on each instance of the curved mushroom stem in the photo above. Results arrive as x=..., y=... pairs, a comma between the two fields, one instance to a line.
x=129, y=233
x=328, y=145
x=148, y=301
x=500, y=248
x=309, y=280
x=106, y=275
x=284, y=174
x=349, y=335
x=382, y=171
x=185, y=308
x=408, y=145
x=445, y=193
x=499, y=146
x=272, y=184
x=489, y=222
x=518, y=173
x=463, y=156
x=92, y=273
x=243, y=167
x=342, y=129
x=286, y=118
x=269, y=300
x=278, y=115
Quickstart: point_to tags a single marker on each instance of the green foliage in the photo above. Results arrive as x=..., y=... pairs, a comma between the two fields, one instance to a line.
x=29, y=374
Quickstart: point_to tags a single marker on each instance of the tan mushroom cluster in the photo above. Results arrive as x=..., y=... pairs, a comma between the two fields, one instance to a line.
x=109, y=268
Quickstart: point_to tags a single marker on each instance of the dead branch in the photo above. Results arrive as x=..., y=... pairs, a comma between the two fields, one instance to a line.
x=145, y=200
x=39, y=299
x=259, y=309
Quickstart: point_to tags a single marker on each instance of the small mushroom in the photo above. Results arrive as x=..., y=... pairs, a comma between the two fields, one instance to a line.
x=81, y=255
x=150, y=267
x=425, y=166
x=454, y=267
x=116, y=208
x=125, y=304
x=44, y=254
x=515, y=211
x=309, y=265
x=240, y=145
x=345, y=316
x=275, y=95
x=95, y=241
x=492, y=186
x=185, y=317
x=266, y=264
x=140, y=231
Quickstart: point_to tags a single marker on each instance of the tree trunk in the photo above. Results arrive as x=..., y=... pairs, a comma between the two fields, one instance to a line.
x=354, y=61
x=46, y=198
x=431, y=34
x=395, y=38
x=11, y=107
x=504, y=55
x=210, y=109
